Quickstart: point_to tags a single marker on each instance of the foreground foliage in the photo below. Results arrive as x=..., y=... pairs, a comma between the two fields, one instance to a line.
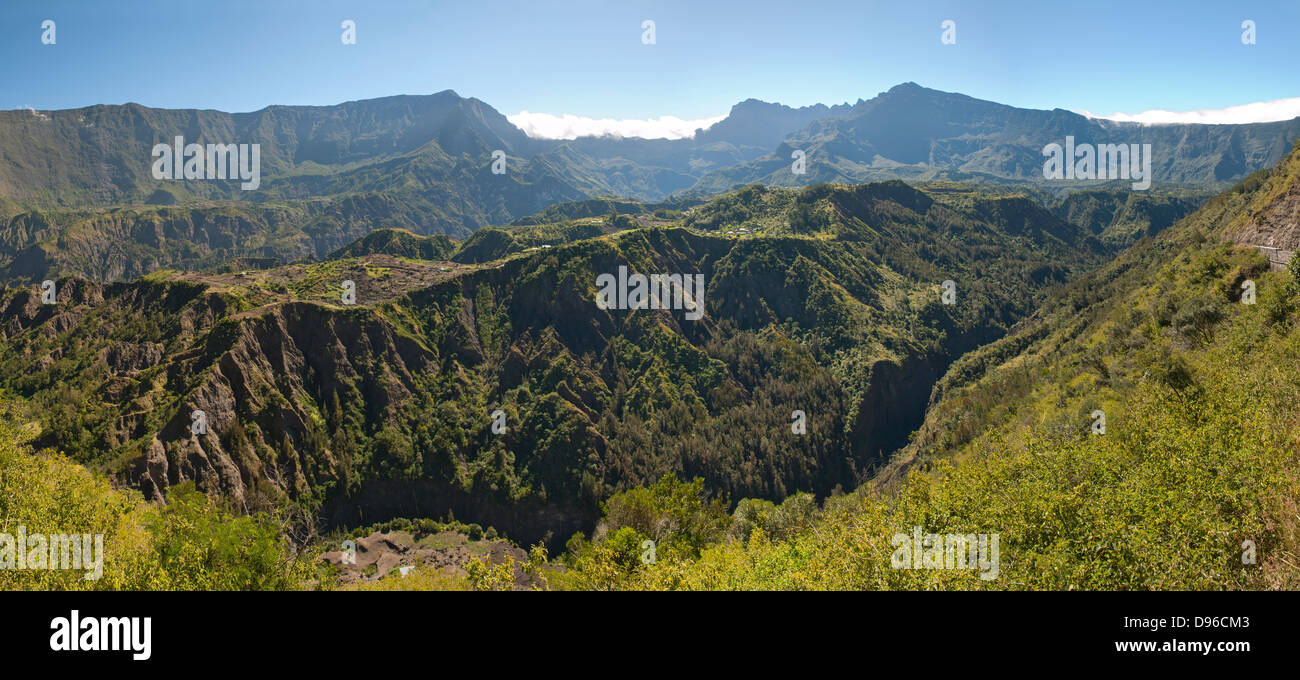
x=189, y=544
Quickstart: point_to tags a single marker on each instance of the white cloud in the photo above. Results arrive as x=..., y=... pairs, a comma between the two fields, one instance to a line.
x=569, y=126
x=1258, y=112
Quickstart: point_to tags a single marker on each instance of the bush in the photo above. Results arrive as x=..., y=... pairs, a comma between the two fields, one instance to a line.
x=794, y=514
x=1278, y=298
x=201, y=546
x=670, y=512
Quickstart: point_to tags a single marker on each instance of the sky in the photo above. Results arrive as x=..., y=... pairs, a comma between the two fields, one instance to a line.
x=540, y=62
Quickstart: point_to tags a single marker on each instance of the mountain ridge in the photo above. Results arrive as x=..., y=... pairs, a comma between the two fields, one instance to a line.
x=306, y=140
x=77, y=196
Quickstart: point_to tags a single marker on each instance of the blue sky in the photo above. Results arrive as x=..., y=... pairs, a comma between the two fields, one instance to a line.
x=586, y=57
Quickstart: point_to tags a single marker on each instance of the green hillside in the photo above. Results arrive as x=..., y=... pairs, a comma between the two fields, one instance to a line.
x=975, y=418
x=382, y=408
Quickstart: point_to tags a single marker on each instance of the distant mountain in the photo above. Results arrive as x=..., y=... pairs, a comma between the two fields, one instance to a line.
x=754, y=123
x=918, y=133
x=439, y=148
x=101, y=155
x=77, y=195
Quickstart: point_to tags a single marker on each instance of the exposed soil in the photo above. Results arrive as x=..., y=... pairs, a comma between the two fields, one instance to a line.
x=380, y=554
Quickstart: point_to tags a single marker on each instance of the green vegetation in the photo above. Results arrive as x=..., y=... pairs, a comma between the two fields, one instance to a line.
x=823, y=299
x=1163, y=500
x=1198, y=455
x=191, y=543
x=1120, y=218
x=399, y=243
x=324, y=407
x=597, y=208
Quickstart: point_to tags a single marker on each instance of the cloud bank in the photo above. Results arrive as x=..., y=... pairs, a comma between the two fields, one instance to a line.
x=569, y=126
x=1258, y=112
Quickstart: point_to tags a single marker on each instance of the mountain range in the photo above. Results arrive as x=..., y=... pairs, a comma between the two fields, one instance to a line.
x=77, y=196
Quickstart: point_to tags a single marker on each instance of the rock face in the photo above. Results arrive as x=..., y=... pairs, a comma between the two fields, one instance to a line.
x=1275, y=226
x=123, y=357
x=1272, y=223
x=266, y=371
